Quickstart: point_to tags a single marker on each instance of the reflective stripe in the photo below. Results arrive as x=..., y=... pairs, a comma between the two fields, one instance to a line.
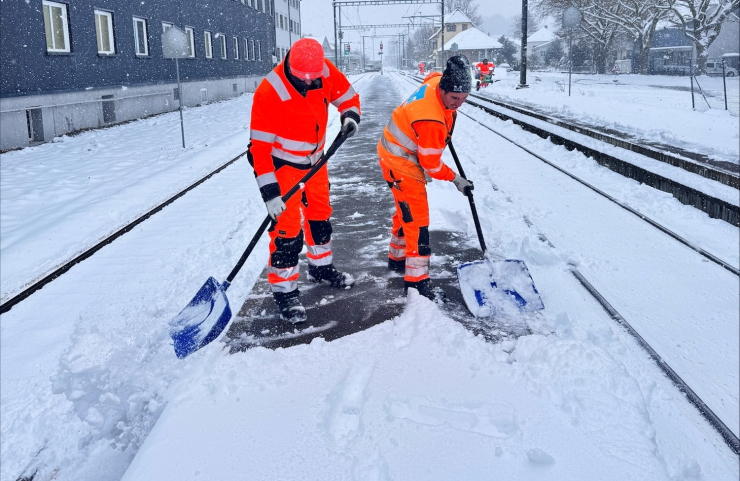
x=326, y=70
x=285, y=287
x=417, y=267
x=283, y=273
x=350, y=109
x=318, y=251
x=347, y=96
x=436, y=169
x=324, y=261
x=397, y=150
x=396, y=253
x=262, y=136
x=430, y=151
x=416, y=271
x=399, y=241
x=296, y=144
x=401, y=137
x=297, y=159
x=278, y=85
x=268, y=178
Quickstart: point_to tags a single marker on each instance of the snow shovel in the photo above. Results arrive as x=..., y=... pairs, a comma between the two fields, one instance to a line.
x=489, y=285
x=207, y=315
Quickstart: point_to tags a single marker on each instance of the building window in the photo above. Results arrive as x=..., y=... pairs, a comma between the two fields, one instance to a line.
x=140, y=37
x=251, y=49
x=235, y=41
x=259, y=50
x=464, y=26
x=104, y=32
x=452, y=28
x=191, y=41
x=209, y=44
x=246, y=49
x=434, y=45
x=57, y=30
x=222, y=39
x=281, y=22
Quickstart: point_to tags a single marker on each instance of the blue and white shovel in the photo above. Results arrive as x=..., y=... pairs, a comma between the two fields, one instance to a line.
x=489, y=285
x=208, y=314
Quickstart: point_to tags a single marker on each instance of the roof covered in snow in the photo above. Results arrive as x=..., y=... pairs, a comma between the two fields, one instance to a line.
x=472, y=39
x=457, y=17
x=542, y=35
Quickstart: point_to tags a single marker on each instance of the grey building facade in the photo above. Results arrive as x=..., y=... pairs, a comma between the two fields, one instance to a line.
x=79, y=64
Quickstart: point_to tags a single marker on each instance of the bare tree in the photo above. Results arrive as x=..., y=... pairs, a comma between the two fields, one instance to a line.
x=639, y=18
x=468, y=7
x=533, y=24
x=598, y=29
x=702, y=21
x=420, y=47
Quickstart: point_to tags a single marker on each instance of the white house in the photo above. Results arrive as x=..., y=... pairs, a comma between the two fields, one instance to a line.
x=463, y=38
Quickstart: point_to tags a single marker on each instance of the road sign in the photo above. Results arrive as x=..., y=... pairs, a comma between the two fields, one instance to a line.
x=571, y=17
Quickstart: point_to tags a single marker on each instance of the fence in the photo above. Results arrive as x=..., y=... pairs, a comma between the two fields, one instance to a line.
x=722, y=93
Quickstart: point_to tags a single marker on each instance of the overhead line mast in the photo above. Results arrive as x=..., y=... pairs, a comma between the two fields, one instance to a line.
x=337, y=7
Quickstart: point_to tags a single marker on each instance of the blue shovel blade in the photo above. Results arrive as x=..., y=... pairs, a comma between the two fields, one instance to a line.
x=490, y=285
x=202, y=320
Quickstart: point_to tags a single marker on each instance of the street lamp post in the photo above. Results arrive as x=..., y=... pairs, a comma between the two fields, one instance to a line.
x=523, y=61
x=571, y=18
x=175, y=45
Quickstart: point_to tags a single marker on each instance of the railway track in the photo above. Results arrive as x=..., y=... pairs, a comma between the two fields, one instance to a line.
x=35, y=284
x=555, y=130
x=728, y=436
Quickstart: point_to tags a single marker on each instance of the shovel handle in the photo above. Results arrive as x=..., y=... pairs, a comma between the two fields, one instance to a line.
x=469, y=195
x=339, y=140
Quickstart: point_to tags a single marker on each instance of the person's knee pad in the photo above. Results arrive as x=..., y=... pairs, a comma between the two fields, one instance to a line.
x=424, y=249
x=286, y=251
x=320, y=231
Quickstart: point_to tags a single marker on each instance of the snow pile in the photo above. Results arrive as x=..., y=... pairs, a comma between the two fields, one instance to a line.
x=418, y=397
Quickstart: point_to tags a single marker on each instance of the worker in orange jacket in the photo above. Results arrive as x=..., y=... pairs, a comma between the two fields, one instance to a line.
x=421, y=68
x=290, y=111
x=411, y=146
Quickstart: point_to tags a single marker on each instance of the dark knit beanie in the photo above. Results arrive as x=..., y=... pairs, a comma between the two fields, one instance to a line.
x=456, y=77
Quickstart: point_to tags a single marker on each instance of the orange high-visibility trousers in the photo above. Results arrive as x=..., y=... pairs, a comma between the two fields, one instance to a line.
x=287, y=235
x=410, y=231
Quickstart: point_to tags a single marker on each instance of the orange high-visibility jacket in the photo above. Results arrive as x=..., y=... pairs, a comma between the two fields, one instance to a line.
x=417, y=134
x=289, y=129
x=485, y=68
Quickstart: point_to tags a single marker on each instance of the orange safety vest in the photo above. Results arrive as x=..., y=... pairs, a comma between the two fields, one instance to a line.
x=289, y=129
x=417, y=134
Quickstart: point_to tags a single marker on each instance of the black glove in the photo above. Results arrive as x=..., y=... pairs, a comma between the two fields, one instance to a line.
x=349, y=127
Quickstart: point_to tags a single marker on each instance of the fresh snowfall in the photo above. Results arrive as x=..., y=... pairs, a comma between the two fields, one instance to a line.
x=92, y=390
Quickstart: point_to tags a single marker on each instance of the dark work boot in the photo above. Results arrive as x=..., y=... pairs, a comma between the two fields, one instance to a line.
x=426, y=288
x=397, y=266
x=290, y=306
x=330, y=274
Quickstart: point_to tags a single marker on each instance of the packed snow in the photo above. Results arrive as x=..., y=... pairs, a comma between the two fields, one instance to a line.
x=92, y=390
x=652, y=108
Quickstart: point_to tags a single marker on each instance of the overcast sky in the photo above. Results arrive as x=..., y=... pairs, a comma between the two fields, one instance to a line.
x=318, y=20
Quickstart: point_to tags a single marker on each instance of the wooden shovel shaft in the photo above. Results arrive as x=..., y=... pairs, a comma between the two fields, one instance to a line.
x=469, y=195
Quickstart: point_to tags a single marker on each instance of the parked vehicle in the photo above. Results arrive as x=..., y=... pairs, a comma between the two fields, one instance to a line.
x=732, y=64
x=714, y=65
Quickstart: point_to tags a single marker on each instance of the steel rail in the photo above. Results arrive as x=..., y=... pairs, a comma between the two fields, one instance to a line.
x=728, y=436
x=34, y=286
x=642, y=216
